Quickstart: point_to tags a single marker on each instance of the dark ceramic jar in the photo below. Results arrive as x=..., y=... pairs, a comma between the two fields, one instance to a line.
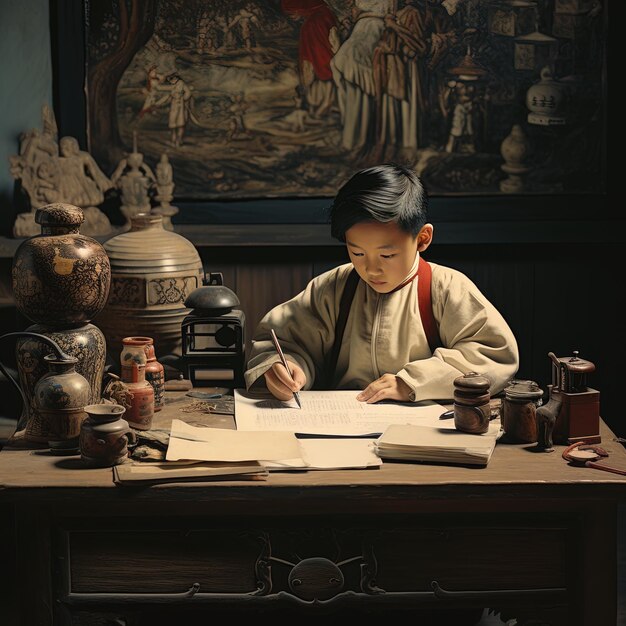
x=60, y=278
x=86, y=343
x=472, y=408
x=60, y=396
x=105, y=435
x=519, y=411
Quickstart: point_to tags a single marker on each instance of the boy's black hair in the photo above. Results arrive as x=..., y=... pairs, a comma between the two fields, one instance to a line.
x=384, y=193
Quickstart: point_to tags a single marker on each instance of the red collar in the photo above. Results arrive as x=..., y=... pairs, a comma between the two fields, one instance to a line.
x=408, y=280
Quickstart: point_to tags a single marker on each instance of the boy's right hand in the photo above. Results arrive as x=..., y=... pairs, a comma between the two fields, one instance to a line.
x=279, y=382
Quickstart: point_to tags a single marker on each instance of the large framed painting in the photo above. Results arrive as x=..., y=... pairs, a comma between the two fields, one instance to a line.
x=258, y=99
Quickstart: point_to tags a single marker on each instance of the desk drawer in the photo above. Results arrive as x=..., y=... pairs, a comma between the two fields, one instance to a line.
x=471, y=558
x=162, y=561
x=405, y=558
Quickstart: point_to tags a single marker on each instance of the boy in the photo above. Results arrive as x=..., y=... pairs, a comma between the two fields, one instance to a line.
x=396, y=345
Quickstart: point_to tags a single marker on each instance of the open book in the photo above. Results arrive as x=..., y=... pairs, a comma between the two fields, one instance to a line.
x=437, y=445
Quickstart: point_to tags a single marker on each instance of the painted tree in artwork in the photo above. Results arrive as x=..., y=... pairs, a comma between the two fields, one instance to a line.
x=119, y=30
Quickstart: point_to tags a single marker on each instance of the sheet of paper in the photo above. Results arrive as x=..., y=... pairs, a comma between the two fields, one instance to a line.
x=323, y=454
x=220, y=444
x=335, y=413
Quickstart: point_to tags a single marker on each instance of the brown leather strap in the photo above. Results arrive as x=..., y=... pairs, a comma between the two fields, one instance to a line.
x=424, y=301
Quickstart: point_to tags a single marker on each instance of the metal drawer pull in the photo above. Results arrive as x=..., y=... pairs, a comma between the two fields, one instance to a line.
x=192, y=591
x=444, y=594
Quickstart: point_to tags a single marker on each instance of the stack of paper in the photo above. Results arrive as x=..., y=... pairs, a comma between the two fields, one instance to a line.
x=145, y=472
x=436, y=445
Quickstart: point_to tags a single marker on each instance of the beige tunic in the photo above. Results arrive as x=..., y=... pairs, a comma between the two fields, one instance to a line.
x=384, y=334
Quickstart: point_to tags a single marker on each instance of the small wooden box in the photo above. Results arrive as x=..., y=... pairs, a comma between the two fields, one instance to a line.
x=578, y=418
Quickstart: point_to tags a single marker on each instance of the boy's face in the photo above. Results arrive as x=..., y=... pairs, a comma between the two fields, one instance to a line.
x=382, y=253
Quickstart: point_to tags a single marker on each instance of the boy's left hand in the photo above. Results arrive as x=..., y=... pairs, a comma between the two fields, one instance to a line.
x=387, y=387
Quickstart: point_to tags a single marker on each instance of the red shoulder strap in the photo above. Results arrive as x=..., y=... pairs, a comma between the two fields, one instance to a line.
x=425, y=304
x=424, y=275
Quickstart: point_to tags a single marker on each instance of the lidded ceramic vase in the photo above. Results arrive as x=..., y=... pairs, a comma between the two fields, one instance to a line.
x=155, y=372
x=60, y=277
x=60, y=397
x=472, y=408
x=153, y=271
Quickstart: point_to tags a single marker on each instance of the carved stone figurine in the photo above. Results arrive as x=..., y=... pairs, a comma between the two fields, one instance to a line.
x=50, y=171
x=134, y=179
x=83, y=184
x=35, y=169
x=165, y=189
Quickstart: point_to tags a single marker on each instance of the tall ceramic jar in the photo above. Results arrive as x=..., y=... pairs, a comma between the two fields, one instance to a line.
x=61, y=280
x=153, y=272
x=133, y=359
x=155, y=372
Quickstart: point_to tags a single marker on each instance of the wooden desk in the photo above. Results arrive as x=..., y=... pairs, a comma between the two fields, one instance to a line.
x=528, y=534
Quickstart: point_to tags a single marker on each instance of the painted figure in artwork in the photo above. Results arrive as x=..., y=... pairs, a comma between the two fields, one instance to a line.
x=462, y=127
x=204, y=40
x=179, y=98
x=153, y=80
x=237, y=109
x=318, y=42
x=353, y=72
x=415, y=41
x=244, y=22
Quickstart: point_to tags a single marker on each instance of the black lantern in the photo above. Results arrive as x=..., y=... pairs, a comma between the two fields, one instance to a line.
x=213, y=336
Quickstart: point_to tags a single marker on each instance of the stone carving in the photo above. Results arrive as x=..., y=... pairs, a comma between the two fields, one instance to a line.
x=165, y=190
x=52, y=171
x=134, y=179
